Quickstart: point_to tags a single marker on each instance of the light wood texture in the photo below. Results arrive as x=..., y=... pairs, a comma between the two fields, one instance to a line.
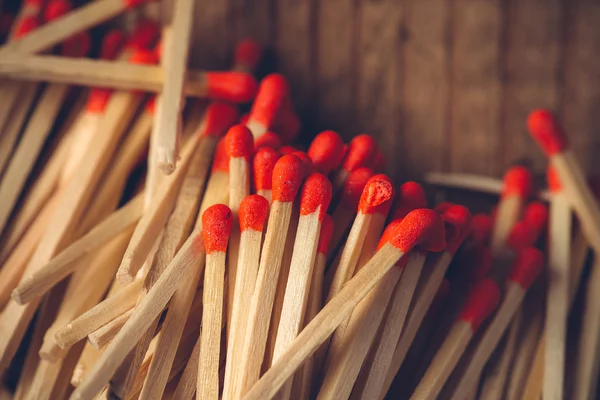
x=186, y=388
x=85, y=128
x=324, y=324
x=105, y=334
x=444, y=361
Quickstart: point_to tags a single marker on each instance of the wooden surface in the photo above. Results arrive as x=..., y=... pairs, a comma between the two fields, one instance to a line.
x=445, y=85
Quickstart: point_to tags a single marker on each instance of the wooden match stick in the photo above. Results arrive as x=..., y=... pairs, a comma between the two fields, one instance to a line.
x=557, y=306
x=262, y=170
x=361, y=153
x=272, y=93
x=326, y=151
x=419, y=227
x=253, y=213
x=287, y=178
x=482, y=301
x=524, y=271
x=103, y=335
x=216, y=221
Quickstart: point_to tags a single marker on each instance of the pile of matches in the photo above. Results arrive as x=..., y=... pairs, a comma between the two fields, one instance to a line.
x=233, y=265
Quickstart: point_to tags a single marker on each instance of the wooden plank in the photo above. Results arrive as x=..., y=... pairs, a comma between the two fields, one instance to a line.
x=336, y=66
x=582, y=94
x=425, y=100
x=476, y=88
x=533, y=52
x=211, y=33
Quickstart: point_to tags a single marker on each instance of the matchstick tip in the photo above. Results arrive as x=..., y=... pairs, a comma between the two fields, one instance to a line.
x=361, y=153
x=315, y=195
x=112, y=42
x=220, y=159
x=518, y=181
x=481, y=228
x=379, y=162
x=143, y=56
x=325, y=235
x=269, y=139
x=216, y=223
x=271, y=97
x=56, y=9
x=262, y=168
x=354, y=186
x=521, y=235
x=253, y=212
x=553, y=180
x=456, y=223
x=145, y=32
x=422, y=227
x=410, y=196
x=536, y=216
x=240, y=142
x=327, y=151
x=166, y=160
x=287, y=149
x=526, y=267
x=247, y=54
x=235, y=87
x=288, y=173
x=76, y=46
x=97, y=100
x=306, y=161
x=482, y=301
x=26, y=25
x=287, y=123
x=377, y=192
x=547, y=132
x=218, y=117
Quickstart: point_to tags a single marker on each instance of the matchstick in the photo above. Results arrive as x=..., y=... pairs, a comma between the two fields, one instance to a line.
x=524, y=271
x=482, y=301
x=360, y=153
x=262, y=169
x=247, y=56
x=253, y=213
x=557, y=303
x=326, y=151
x=216, y=221
x=421, y=226
x=103, y=335
x=314, y=200
x=269, y=139
x=287, y=178
x=270, y=98
x=175, y=65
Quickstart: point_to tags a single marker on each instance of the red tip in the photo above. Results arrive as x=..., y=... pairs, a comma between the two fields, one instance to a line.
x=240, y=142
x=272, y=94
x=216, y=222
x=247, y=54
x=522, y=235
x=308, y=167
x=134, y=3
x=288, y=125
x=218, y=117
x=142, y=56
x=236, y=87
x=269, y=139
x=443, y=206
x=536, y=216
x=254, y=210
x=98, y=99
x=221, y=159
x=456, y=221
x=315, y=195
x=325, y=236
x=379, y=163
x=553, y=179
x=144, y=34
x=410, y=196
x=77, y=46
x=547, y=132
x=527, y=267
x=150, y=106
x=244, y=119
x=482, y=301
x=481, y=228
x=422, y=227
x=517, y=181
x=361, y=153
x=377, y=191
x=287, y=149
x=262, y=167
x=112, y=43
x=287, y=178
x=56, y=9
x=26, y=25
x=354, y=186
x=327, y=151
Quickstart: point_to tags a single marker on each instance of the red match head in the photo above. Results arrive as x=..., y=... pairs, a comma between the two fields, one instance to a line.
x=244, y=119
x=216, y=223
x=327, y=151
x=526, y=267
x=236, y=87
x=26, y=25
x=361, y=153
x=288, y=125
x=144, y=34
x=482, y=301
x=56, y=9
x=269, y=139
x=308, y=167
x=77, y=46
x=253, y=213
x=240, y=142
x=521, y=235
x=325, y=235
x=262, y=167
x=218, y=117
x=443, y=206
x=553, y=179
x=354, y=186
x=481, y=228
x=112, y=43
x=221, y=159
x=134, y=3
x=98, y=99
x=422, y=227
x=150, y=106
x=287, y=178
x=410, y=196
x=315, y=195
x=287, y=149
x=456, y=222
x=247, y=54
x=142, y=56
x=517, y=181
x=272, y=94
x=377, y=191
x=547, y=132
x=536, y=216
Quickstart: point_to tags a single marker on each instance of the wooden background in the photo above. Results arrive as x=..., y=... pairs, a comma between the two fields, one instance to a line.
x=443, y=85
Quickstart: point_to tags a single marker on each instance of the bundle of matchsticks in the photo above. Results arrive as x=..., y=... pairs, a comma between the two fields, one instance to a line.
x=161, y=246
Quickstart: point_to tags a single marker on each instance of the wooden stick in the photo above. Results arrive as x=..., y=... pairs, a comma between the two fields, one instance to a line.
x=116, y=75
x=262, y=169
x=253, y=214
x=272, y=96
x=64, y=263
x=175, y=62
x=481, y=303
x=360, y=153
x=103, y=335
x=186, y=388
x=314, y=334
x=287, y=174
